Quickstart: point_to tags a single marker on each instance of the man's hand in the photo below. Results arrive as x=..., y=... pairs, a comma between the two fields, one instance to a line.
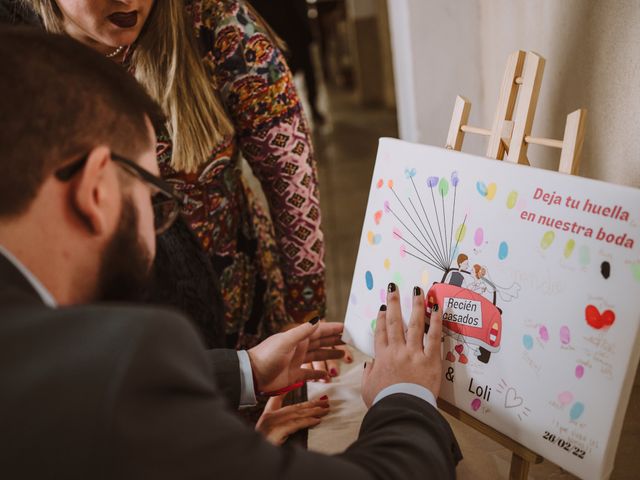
x=276, y=362
x=400, y=358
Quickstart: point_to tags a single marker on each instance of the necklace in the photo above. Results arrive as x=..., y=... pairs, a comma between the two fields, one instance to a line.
x=116, y=52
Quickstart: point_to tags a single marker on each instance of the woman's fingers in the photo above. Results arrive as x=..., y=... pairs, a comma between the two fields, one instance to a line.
x=380, y=336
x=317, y=412
x=311, y=366
x=395, y=326
x=323, y=354
x=306, y=375
x=328, y=329
x=333, y=366
x=415, y=333
x=274, y=403
x=348, y=355
x=276, y=425
x=280, y=434
x=434, y=335
x=330, y=341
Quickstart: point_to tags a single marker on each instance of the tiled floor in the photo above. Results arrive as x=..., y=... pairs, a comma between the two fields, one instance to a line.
x=346, y=153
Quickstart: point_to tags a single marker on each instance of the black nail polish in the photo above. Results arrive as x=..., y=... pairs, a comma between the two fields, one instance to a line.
x=365, y=365
x=314, y=320
x=417, y=291
x=435, y=307
x=383, y=308
x=391, y=288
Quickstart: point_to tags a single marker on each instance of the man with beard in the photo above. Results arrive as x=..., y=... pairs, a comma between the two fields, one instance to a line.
x=118, y=391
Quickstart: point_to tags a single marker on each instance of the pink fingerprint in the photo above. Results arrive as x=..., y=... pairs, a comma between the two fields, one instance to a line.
x=403, y=251
x=565, y=398
x=579, y=371
x=475, y=404
x=383, y=295
x=544, y=334
x=387, y=207
x=478, y=237
x=397, y=233
x=565, y=335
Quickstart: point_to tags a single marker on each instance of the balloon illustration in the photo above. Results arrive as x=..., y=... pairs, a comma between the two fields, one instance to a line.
x=443, y=187
x=491, y=191
x=478, y=237
x=568, y=248
x=368, y=277
x=503, y=250
x=409, y=173
x=547, y=240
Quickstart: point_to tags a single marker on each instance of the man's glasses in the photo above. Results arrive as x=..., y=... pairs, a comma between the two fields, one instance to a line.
x=165, y=201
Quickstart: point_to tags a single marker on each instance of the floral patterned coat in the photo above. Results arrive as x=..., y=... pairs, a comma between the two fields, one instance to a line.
x=271, y=272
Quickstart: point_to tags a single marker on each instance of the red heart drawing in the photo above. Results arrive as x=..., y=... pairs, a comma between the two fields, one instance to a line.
x=451, y=357
x=599, y=320
x=459, y=348
x=463, y=358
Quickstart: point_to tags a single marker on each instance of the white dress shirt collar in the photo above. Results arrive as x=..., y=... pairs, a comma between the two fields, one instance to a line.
x=37, y=285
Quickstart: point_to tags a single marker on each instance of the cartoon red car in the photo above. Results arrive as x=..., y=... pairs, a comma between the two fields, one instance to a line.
x=467, y=316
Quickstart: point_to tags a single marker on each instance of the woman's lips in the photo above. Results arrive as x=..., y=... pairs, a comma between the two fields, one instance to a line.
x=124, y=20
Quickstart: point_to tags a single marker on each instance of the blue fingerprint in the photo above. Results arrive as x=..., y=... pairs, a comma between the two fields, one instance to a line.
x=527, y=341
x=482, y=188
x=368, y=277
x=576, y=411
x=503, y=250
x=409, y=173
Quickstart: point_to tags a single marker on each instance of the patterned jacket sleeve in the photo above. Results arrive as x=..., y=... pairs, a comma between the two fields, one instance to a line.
x=258, y=91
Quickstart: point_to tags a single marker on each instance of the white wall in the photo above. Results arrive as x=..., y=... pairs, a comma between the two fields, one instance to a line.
x=592, y=48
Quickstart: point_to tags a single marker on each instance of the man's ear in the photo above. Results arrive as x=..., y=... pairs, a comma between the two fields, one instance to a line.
x=95, y=195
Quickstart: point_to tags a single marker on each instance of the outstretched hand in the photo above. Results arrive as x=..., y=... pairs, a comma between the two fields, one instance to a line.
x=404, y=357
x=277, y=362
x=277, y=422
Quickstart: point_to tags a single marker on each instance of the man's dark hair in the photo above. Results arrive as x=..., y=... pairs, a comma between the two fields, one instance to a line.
x=59, y=99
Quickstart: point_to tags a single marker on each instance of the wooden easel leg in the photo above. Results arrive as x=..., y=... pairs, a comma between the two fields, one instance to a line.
x=519, y=468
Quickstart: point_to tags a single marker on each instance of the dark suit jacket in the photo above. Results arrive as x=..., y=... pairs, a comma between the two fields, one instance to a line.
x=128, y=392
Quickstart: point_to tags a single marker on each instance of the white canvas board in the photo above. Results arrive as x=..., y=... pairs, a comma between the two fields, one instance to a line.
x=550, y=359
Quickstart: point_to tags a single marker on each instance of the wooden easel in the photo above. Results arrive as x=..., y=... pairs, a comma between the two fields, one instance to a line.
x=511, y=135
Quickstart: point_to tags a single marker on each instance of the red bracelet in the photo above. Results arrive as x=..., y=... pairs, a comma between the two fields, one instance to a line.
x=282, y=391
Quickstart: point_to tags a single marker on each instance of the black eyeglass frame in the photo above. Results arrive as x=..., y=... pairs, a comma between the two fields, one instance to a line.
x=66, y=173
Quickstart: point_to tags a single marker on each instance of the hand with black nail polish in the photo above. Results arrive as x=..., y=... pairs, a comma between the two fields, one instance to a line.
x=276, y=363
x=400, y=357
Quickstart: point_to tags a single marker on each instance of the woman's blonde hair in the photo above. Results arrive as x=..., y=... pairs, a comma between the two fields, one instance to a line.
x=166, y=62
